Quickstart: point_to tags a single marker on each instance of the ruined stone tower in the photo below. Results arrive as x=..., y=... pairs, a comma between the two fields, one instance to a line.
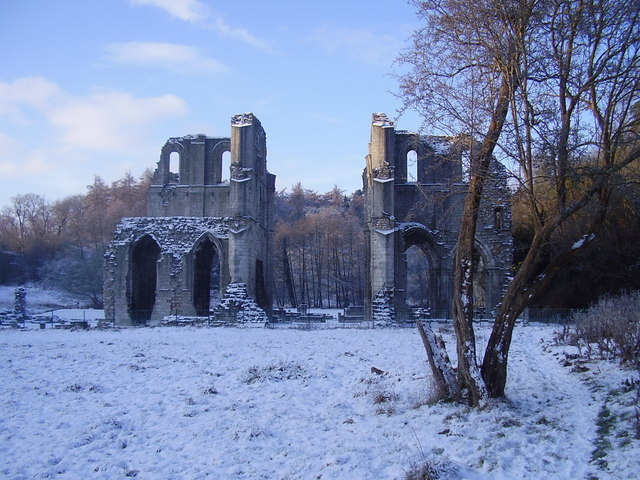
x=205, y=243
x=415, y=188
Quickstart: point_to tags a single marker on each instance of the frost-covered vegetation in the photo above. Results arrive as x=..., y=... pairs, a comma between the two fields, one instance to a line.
x=609, y=329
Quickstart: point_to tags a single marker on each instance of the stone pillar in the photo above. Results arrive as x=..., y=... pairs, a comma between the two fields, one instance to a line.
x=242, y=186
x=381, y=223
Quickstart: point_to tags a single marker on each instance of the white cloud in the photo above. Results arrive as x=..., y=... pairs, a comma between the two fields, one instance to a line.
x=241, y=34
x=171, y=56
x=99, y=121
x=34, y=92
x=195, y=11
x=363, y=45
x=112, y=120
x=66, y=139
x=187, y=10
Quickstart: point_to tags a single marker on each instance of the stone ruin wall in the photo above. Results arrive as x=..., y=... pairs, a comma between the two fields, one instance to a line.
x=153, y=267
x=402, y=212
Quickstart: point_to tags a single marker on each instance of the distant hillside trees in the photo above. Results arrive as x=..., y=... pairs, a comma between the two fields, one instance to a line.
x=62, y=243
x=319, y=248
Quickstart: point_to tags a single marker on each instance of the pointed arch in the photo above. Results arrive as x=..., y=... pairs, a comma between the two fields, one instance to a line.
x=206, y=274
x=417, y=277
x=143, y=275
x=485, y=290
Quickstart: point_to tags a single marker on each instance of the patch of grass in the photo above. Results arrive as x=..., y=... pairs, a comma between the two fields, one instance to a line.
x=606, y=422
x=432, y=469
x=275, y=372
x=384, y=397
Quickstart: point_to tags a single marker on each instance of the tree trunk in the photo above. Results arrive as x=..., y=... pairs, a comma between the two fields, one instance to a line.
x=471, y=386
x=288, y=279
x=446, y=387
x=519, y=294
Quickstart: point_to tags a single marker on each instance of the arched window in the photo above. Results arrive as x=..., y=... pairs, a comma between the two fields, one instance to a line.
x=226, y=166
x=412, y=166
x=465, y=160
x=174, y=167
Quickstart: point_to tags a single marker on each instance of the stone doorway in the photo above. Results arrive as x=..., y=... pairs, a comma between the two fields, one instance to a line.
x=144, y=274
x=206, y=281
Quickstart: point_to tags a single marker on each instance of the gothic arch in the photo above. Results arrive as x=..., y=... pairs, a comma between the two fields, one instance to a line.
x=418, y=281
x=143, y=274
x=485, y=286
x=207, y=274
x=420, y=236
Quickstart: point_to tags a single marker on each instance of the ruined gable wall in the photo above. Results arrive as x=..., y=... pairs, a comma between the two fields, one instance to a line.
x=197, y=189
x=183, y=205
x=424, y=208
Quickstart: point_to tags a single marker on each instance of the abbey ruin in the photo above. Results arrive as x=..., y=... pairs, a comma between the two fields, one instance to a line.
x=205, y=247
x=205, y=242
x=423, y=210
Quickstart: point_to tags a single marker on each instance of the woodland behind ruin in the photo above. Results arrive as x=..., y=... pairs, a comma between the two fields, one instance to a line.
x=318, y=248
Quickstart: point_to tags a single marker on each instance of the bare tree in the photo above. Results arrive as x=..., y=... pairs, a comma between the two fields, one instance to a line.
x=465, y=61
x=573, y=123
x=548, y=85
x=319, y=243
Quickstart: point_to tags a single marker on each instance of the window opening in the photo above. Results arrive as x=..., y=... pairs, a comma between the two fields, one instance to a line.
x=174, y=167
x=412, y=166
x=226, y=166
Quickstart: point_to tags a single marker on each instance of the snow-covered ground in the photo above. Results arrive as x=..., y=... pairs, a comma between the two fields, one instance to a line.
x=218, y=403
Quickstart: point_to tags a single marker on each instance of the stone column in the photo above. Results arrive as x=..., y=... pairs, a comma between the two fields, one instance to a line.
x=381, y=223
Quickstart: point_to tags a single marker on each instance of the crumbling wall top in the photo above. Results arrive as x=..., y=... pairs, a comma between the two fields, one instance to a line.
x=381, y=120
x=244, y=120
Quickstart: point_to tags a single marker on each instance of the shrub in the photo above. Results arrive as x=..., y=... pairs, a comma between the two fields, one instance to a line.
x=613, y=326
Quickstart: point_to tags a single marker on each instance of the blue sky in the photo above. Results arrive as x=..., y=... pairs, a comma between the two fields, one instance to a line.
x=95, y=87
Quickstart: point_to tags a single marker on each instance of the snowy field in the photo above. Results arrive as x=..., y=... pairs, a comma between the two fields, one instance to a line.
x=186, y=403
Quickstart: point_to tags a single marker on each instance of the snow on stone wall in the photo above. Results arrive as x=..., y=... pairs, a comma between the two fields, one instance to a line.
x=237, y=302
x=382, y=311
x=175, y=236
